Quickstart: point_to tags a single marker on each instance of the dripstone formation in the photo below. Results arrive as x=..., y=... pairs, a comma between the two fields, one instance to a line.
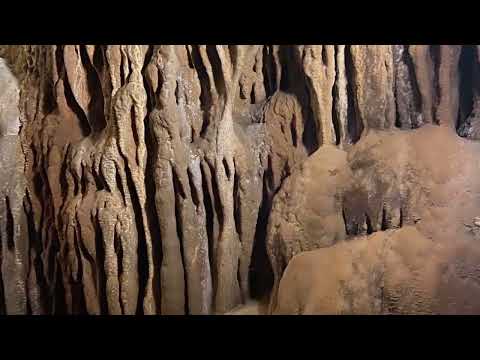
x=194, y=179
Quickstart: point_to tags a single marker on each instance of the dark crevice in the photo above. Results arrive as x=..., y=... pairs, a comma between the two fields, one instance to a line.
x=117, y=246
x=146, y=84
x=369, y=224
x=52, y=271
x=294, y=76
x=122, y=72
x=48, y=87
x=36, y=248
x=37, y=179
x=83, y=181
x=261, y=272
x=397, y=65
x=226, y=168
x=417, y=97
x=324, y=55
x=59, y=306
x=468, y=86
x=398, y=62
x=398, y=123
x=216, y=196
x=194, y=135
x=268, y=176
x=239, y=281
x=310, y=127
x=99, y=59
x=78, y=296
x=177, y=95
x=344, y=216
x=63, y=176
x=268, y=71
x=285, y=79
x=150, y=207
x=401, y=217
x=353, y=226
x=354, y=125
x=384, y=219
x=205, y=96
x=252, y=95
x=189, y=57
x=293, y=130
x=130, y=69
x=84, y=124
x=237, y=203
x=161, y=79
x=84, y=252
x=59, y=61
x=435, y=55
x=232, y=49
x=216, y=64
x=100, y=269
x=100, y=182
x=142, y=241
x=193, y=189
x=179, y=198
x=293, y=81
x=96, y=114
x=209, y=214
x=335, y=95
x=134, y=127
x=119, y=182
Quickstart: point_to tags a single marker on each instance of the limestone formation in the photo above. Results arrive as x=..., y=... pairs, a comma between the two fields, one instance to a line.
x=429, y=265
x=186, y=179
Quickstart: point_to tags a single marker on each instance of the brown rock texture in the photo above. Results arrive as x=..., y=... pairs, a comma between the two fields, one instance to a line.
x=429, y=265
x=185, y=179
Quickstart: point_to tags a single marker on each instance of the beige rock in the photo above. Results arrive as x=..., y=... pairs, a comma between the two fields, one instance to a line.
x=420, y=268
x=139, y=179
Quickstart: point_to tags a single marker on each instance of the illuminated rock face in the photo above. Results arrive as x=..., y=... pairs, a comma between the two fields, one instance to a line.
x=183, y=179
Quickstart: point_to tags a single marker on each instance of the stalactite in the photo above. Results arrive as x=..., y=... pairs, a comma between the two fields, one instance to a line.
x=142, y=179
x=319, y=66
x=424, y=72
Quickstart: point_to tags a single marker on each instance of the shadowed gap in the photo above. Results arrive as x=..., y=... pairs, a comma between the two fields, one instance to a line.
x=435, y=55
x=355, y=127
x=468, y=86
x=180, y=196
x=261, y=272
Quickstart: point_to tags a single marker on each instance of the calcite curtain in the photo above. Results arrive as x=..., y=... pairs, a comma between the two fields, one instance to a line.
x=139, y=179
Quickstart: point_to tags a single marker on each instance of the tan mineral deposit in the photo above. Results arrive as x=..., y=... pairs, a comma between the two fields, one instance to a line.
x=239, y=179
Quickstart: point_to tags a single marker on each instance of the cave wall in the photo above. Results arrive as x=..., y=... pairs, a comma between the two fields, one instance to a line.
x=139, y=179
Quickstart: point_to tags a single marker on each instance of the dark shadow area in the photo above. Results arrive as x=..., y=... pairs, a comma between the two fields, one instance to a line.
x=261, y=273
x=293, y=81
x=354, y=125
x=468, y=86
x=435, y=55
